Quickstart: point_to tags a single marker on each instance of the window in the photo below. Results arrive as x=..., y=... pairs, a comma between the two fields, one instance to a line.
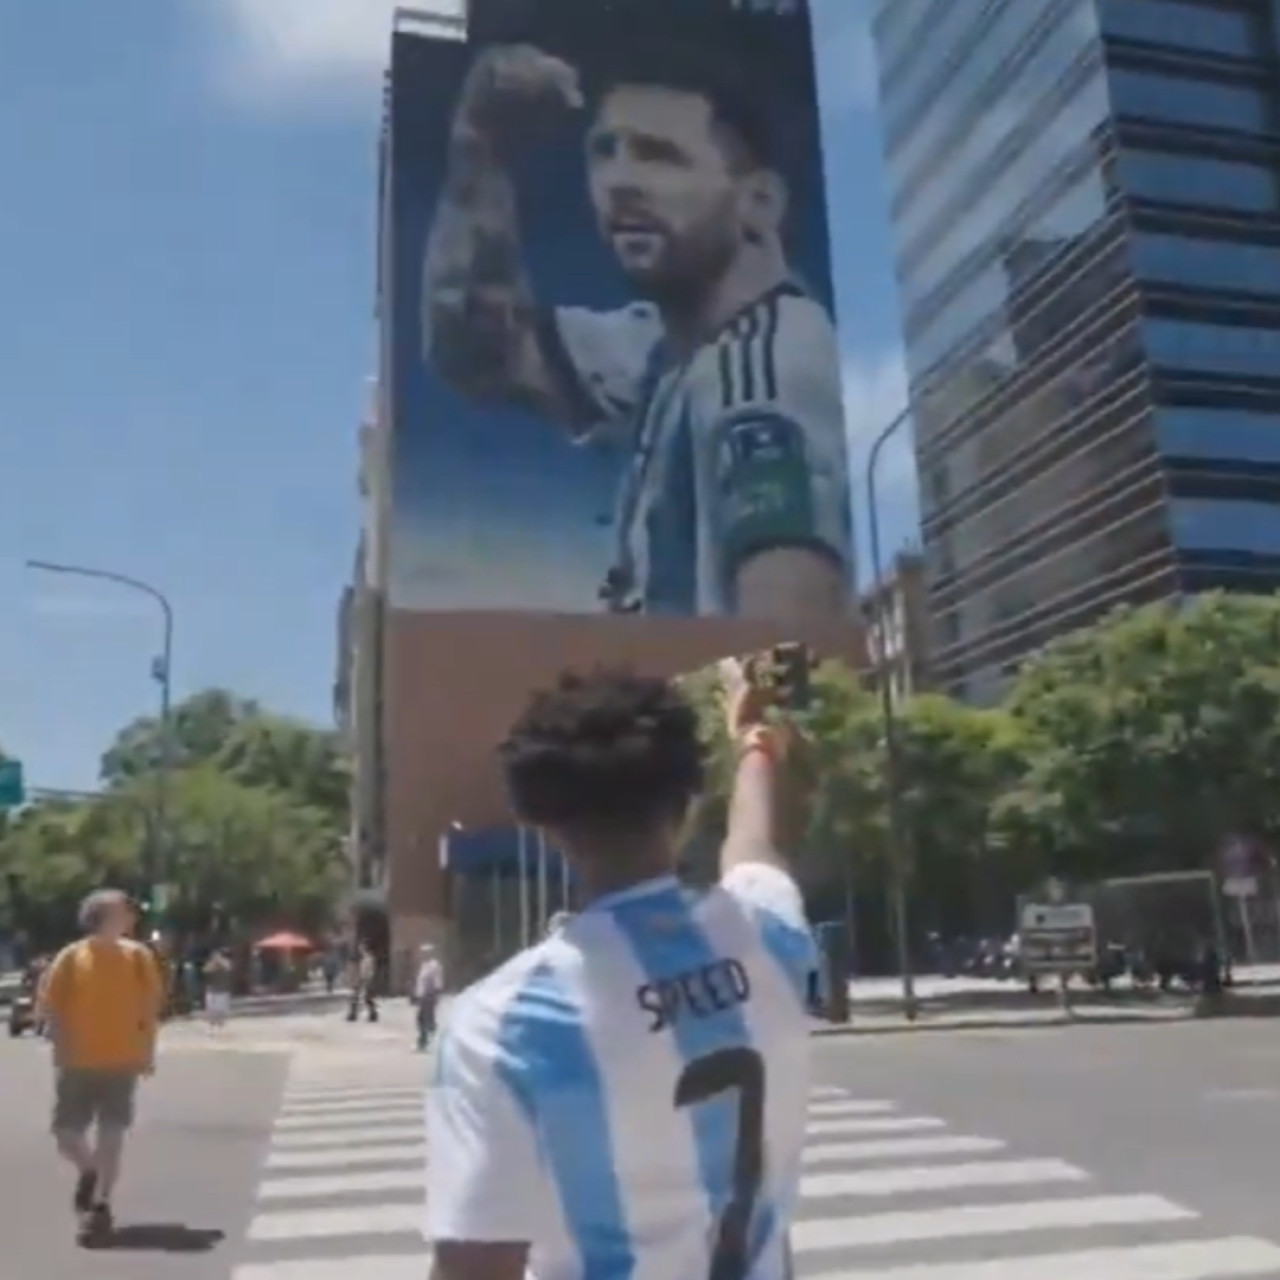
x=1056, y=231
x=895, y=29
x=1042, y=155
x=1207, y=264
x=969, y=52
x=1215, y=524
x=939, y=478
x=1198, y=180
x=973, y=131
x=1183, y=100
x=1228, y=434
x=1214, y=348
x=952, y=33
x=1182, y=26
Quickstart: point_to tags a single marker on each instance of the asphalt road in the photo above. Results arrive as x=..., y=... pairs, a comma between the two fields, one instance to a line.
x=190, y=1175
x=1112, y=1152
x=1176, y=1128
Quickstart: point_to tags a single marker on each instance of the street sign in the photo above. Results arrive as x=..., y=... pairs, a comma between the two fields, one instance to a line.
x=1057, y=937
x=1240, y=886
x=13, y=790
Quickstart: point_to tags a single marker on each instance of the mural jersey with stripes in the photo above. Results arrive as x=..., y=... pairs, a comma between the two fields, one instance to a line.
x=735, y=449
x=629, y=1096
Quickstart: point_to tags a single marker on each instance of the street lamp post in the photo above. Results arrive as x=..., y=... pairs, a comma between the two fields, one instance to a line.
x=892, y=757
x=161, y=672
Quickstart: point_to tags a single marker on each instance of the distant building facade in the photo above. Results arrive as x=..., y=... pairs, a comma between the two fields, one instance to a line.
x=895, y=613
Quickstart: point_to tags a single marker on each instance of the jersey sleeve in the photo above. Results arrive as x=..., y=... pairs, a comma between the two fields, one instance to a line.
x=599, y=361
x=778, y=457
x=484, y=1175
x=773, y=900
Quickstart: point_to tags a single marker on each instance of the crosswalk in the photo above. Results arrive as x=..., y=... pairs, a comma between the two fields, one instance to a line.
x=886, y=1195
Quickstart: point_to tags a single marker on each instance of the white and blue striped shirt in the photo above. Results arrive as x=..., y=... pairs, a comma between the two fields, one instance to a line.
x=734, y=450
x=628, y=1096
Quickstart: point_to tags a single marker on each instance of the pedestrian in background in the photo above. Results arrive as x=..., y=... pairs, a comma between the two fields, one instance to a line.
x=365, y=970
x=217, y=989
x=103, y=998
x=427, y=989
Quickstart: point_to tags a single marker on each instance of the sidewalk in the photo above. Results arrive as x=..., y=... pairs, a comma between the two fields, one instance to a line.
x=288, y=1030
x=1008, y=1007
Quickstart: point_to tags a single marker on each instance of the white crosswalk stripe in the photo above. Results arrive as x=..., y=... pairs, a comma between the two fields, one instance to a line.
x=886, y=1195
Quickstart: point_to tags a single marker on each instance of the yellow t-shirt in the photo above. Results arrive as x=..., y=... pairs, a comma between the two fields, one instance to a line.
x=104, y=1000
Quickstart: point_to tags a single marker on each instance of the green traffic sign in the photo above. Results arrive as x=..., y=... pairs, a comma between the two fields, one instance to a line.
x=12, y=790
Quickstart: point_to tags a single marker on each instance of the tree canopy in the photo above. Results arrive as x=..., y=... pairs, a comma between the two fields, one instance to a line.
x=1139, y=744
x=255, y=817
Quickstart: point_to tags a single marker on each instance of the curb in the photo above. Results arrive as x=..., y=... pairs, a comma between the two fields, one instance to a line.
x=1238, y=1009
x=1052, y=1022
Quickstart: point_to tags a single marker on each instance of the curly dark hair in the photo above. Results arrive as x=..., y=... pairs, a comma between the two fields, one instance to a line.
x=604, y=752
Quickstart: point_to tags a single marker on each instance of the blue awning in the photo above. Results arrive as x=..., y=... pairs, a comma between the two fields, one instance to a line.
x=501, y=852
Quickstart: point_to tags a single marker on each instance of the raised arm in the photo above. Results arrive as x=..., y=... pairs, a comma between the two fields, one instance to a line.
x=481, y=325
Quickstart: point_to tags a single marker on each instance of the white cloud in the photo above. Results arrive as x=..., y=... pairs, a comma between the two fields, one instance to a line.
x=291, y=47
x=287, y=47
x=875, y=394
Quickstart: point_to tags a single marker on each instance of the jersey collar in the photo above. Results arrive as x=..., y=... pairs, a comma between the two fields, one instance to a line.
x=646, y=888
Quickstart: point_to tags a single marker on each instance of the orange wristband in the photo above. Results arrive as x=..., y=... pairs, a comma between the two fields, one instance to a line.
x=761, y=739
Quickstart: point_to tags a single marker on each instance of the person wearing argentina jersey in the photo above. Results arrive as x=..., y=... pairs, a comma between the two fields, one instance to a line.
x=626, y=1099
x=720, y=381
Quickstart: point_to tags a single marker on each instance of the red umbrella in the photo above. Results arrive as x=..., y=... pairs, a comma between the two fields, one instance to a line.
x=284, y=941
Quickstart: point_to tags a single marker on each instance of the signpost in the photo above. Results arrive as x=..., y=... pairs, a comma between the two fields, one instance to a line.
x=1239, y=862
x=1057, y=937
x=13, y=791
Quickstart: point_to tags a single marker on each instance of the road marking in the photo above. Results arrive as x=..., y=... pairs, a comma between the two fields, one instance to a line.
x=851, y=1107
x=330, y=1223
x=890, y=1148
x=405, y=1114
x=371, y=1135
x=967, y=1221
x=345, y=1156
x=944, y=1177
x=318, y=1186
x=1185, y=1260
x=1243, y=1095
x=827, y=1091
x=294, y=1106
x=299, y=1091
x=386, y=1266
x=875, y=1124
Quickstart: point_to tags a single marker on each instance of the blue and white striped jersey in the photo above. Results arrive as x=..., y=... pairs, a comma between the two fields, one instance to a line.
x=737, y=449
x=629, y=1095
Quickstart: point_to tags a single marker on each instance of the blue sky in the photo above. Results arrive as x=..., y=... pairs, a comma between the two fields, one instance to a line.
x=185, y=321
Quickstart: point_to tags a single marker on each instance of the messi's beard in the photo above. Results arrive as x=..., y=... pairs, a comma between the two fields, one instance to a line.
x=683, y=285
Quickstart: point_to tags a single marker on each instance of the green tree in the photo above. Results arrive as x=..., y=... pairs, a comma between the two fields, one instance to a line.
x=291, y=757
x=256, y=814
x=956, y=762
x=1151, y=737
x=199, y=728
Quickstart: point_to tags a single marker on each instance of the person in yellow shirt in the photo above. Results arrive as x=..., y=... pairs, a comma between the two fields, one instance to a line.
x=102, y=998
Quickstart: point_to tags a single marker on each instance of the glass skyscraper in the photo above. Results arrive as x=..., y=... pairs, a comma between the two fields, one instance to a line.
x=1086, y=205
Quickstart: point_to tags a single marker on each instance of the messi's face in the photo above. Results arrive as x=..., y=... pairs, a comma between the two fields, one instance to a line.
x=666, y=195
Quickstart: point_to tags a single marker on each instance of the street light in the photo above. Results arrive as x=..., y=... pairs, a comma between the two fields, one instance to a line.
x=892, y=757
x=161, y=670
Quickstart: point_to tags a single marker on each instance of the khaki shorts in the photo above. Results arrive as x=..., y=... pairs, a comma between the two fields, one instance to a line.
x=83, y=1096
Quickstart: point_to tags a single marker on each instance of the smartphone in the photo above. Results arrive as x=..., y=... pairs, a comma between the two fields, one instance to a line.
x=792, y=669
